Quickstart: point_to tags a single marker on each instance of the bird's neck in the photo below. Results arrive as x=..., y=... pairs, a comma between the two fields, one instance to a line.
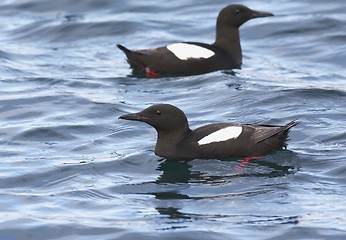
x=167, y=142
x=228, y=39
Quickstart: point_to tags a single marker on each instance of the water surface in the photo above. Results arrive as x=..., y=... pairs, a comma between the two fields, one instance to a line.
x=71, y=170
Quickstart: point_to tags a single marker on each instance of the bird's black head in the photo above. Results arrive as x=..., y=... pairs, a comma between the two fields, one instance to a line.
x=163, y=117
x=236, y=14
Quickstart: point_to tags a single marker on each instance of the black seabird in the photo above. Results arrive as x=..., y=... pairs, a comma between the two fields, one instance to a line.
x=188, y=58
x=213, y=141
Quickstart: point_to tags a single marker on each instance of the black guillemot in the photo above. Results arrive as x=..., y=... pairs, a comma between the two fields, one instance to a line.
x=189, y=58
x=213, y=141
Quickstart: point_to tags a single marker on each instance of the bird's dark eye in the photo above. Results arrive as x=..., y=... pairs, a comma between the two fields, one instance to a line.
x=237, y=11
x=158, y=112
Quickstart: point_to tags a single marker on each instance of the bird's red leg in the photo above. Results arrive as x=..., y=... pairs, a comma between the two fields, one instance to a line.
x=245, y=162
x=151, y=73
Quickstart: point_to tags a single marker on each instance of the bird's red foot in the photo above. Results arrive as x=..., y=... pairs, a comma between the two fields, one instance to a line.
x=151, y=73
x=245, y=162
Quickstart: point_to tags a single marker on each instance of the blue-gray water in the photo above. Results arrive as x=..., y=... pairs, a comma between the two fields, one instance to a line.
x=69, y=169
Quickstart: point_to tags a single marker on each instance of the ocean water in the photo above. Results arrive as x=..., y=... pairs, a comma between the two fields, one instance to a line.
x=69, y=169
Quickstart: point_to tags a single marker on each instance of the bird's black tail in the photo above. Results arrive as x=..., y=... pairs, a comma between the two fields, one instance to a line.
x=124, y=49
x=133, y=58
x=291, y=124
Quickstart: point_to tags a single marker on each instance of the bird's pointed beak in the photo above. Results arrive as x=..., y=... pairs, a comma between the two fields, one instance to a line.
x=133, y=117
x=258, y=14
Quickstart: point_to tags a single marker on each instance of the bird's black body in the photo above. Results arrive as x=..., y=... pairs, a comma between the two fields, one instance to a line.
x=163, y=62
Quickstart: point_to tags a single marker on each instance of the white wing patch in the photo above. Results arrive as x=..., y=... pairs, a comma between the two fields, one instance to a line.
x=221, y=135
x=184, y=51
